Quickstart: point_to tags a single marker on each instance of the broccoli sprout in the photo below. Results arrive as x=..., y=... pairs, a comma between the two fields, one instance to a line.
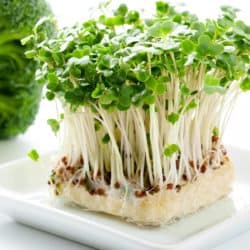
x=146, y=101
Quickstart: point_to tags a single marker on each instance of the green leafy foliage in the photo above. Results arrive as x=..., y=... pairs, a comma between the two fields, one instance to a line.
x=94, y=63
x=207, y=48
x=33, y=155
x=171, y=149
x=105, y=139
x=212, y=85
x=191, y=105
x=54, y=125
x=173, y=118
x=245, y=85
x=19, y=93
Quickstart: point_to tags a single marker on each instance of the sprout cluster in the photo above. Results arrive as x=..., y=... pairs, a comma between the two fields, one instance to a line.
x=146, y=101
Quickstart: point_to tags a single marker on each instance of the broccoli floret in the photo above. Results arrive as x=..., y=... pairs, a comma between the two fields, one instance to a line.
x=19, y=93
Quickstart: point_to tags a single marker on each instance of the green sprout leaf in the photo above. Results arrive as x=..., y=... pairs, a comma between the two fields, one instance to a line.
x=229, y=12
x=171, y=149
x=132, y=17
x=245, y=84
x=212, y=85
x=50, y=95
x=173, y=117
x=33, y=155
x=185, y=90
x=162, y=7
x=161, y=29
x=191, y=105
x=187, y=46
x=97, y=64
x=79, y=61
x=97, y=92
x=204, y=44
x=107, y=97
x=121, y=10
x=207, y=47
x=149, y=99
x=106, y=139
x=54, y=125
x=151, y=83
x=52, y=81
x=142, y=75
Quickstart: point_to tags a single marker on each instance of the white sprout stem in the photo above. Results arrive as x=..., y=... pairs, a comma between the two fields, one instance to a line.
x=135, y=152
x=154, y=141
x=144, y=145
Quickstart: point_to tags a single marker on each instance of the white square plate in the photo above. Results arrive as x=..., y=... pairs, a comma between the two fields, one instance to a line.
x=24, y=196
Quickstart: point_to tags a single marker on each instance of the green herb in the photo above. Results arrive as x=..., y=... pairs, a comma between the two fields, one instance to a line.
x=126, y=80
x=191, y=105
x=54, y=125
x=171, y=149
x=212, y=85
x=173, y=118
x=97, y=125
x=50, y=95
x=93, y=63
x=245, y=85
x=33, y=155
x=105, y=139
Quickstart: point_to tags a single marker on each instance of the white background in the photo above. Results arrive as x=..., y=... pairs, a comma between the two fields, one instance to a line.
x=39, y=136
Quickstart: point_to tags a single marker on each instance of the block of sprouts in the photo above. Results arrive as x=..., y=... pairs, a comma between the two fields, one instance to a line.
x=146, y=102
